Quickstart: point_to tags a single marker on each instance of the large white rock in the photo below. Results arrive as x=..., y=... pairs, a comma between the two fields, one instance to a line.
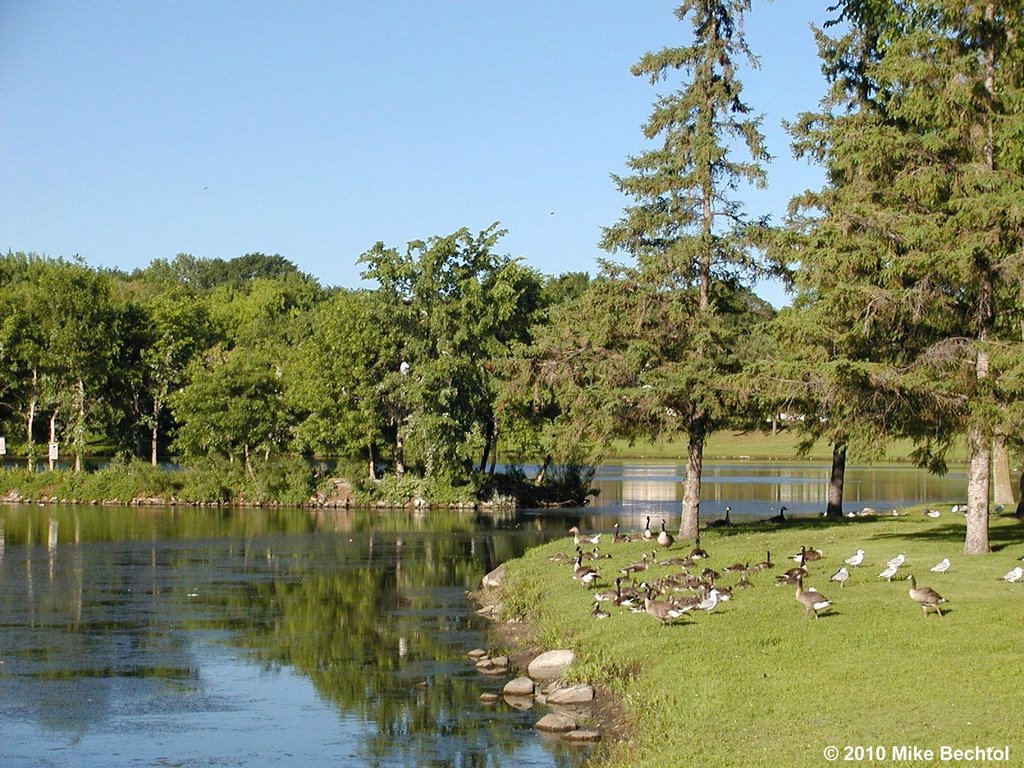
x=573, y=694
x=550, y=664
x=555, y=723
x=521, y=686
x=494, y=578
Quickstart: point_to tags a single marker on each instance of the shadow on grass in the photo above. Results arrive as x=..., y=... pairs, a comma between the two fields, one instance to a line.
x=999, y=536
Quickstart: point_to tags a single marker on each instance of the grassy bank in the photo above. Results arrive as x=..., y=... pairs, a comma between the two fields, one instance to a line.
x=755, y=683
x=756, y=445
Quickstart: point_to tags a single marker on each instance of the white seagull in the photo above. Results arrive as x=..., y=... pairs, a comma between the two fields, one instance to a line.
x=1014, y=576
x=855, y=559
x=932, y=513
x=897, y=561
x=841, y=576
x=889, y=572
x=941, y=567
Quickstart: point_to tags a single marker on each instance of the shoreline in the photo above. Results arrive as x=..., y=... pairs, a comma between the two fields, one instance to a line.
x=741, y=686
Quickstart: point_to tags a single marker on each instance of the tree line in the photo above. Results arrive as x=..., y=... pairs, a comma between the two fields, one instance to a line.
x=905, y=270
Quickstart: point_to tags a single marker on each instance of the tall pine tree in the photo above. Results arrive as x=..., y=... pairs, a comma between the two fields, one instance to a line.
x=677, y=337
x=918, y=236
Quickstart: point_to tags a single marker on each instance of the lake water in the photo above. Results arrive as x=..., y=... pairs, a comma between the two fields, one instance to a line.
x=200, y=637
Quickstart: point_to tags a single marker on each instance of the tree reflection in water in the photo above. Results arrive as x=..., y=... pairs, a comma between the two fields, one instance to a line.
x=103, y=604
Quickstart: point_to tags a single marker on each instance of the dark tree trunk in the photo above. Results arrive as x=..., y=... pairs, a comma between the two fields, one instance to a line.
x=835, y=485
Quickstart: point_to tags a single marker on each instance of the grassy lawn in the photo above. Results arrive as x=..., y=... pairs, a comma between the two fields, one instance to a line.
x=756, y=683
x=755, y=445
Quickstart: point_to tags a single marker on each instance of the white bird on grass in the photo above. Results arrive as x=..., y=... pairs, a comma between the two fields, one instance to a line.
x=941, y=567
x=932, y=513
x=855, y=559
x=841, y=576
x=889, y=572
x=897, y=561
x=1014, y=576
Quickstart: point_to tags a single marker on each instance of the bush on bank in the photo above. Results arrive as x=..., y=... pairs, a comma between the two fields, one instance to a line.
x=285, y=481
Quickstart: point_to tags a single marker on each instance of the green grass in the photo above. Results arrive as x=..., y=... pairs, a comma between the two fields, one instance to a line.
x=756, y=683
x=731, y=444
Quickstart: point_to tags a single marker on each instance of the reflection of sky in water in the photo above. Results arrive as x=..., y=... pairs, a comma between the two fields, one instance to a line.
x=235, y=714
x=755, y=490
x=124, y=653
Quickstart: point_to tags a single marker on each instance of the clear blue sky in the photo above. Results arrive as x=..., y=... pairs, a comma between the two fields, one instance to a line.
x=135, y=130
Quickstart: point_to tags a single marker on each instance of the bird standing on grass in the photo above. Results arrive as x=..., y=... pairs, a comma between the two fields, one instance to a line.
x=889, y=572
x=940, y=567
x=926, y=597
x=897, y=561
x=855, y=559
x=665, y=538
x=841, y=576
x=812, y=600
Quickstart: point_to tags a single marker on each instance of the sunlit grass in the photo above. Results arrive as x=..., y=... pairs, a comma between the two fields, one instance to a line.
x=731, y=444
x=757, y=683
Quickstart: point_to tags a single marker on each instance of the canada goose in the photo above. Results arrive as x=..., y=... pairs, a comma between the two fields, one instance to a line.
x=812, y=600
x=856, y=559
x=636, y=567
x=584, y=573
x=610, y=595
x=897, y=561
x=697, y=553
x=647, y=530
x=599, y=612
x=841, y=576
x=665, y=538
x=766, y=563
x=932, y=513
x=1014, y=576
x=737, y=568
x=941, y=567
x=619, y=538
x=806, y=555
x=779, y=518
x=743, y=583
x=723, y=522
x=926, y=597
x=579, y=539
x=710, y=574
x=889, y=572
x=789, y=579
x=662, y=610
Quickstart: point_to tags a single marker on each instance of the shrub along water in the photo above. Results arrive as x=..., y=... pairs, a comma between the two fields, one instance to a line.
x=757, y=682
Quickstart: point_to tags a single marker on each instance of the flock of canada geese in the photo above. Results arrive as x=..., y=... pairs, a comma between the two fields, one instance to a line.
x=693, y=585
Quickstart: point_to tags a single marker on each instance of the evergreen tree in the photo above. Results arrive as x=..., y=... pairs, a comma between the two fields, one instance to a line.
x=685, y=232
x=915, y=243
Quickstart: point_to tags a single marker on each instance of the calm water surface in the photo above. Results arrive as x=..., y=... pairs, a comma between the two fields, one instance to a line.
x=160, y=637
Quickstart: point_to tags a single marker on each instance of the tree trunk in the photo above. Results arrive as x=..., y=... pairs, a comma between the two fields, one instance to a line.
x=835, y=486
x=79, y=438
x=542, y=472
x=689, y=525
x=53, y=436
x=976, y=540
x=372, y=462
x=30, y=419
x=1020, y=500
x=488, y=444
x=1002, y=485
x=399, y=453
x=494, y=454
